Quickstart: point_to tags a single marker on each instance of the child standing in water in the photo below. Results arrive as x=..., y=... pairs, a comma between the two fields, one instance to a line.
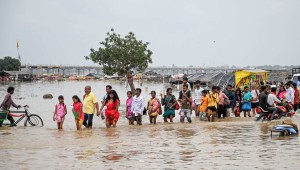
x=204, y=104
x=129, y=114
x=78, y=112
x=60, y=112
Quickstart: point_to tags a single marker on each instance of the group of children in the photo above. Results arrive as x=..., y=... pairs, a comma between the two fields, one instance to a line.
x=61, y=111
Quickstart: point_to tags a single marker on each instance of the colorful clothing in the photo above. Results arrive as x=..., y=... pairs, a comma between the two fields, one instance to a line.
x=222, y=98
x=247, y=101
x=296, y=96
x=111, y=113
x=281, y=95
x=153, y=107
x=168, y=102
x=129, y=113
x=89, y=103
x=60, y=112
x=247, y=97
x=77, y=108
x=204, y=104
x=213, y=100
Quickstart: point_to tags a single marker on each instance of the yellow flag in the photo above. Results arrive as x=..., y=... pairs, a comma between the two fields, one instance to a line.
x=18, y=44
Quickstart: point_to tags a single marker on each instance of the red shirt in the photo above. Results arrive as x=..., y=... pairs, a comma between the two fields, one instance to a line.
x=296, y=97
x=78, y=108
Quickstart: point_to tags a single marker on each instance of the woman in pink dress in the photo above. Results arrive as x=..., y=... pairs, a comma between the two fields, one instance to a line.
x=112, y=114
x=281, y=93
x=129, y=114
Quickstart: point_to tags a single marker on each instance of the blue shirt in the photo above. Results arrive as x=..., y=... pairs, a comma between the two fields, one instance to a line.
x=247, y=97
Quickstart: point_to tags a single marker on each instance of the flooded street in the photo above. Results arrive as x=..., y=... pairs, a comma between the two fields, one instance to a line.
x=233, y=143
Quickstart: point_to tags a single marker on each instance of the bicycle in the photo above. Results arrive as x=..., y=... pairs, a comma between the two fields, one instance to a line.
x=32, y=119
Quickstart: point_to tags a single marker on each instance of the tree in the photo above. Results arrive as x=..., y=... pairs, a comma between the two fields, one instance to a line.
x=122, y=55
x=9, y=64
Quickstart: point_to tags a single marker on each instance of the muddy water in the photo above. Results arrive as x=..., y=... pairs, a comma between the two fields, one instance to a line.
x=233, y=143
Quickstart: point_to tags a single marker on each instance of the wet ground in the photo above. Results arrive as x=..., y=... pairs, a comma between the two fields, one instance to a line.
x=232, y=143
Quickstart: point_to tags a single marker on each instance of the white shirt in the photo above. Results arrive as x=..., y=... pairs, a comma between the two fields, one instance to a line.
x=138, y=104
x=255, y=94
x=290, y=95
x=272, y=99
x=198, y=94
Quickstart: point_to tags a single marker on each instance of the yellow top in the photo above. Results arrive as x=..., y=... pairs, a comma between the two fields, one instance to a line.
x=213, y=99
x=89, y=103
x=204, y=103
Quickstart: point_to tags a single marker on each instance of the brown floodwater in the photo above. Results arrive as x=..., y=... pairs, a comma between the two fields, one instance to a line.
x=232, y=143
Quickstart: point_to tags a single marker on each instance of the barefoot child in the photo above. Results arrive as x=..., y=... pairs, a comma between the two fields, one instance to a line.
x=60, y=112
x=203, y=105
x=78, y=112
x=129, y=114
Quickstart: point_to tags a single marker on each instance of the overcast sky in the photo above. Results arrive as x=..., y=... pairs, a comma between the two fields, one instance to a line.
x=180, y=32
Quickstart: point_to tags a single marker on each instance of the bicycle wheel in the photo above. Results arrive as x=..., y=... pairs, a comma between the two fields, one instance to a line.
x=34, y=120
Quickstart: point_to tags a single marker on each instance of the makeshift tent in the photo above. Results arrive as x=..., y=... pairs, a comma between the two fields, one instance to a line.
x=245, y=77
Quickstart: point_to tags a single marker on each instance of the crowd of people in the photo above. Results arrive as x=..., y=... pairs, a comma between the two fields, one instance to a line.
x=206, y=104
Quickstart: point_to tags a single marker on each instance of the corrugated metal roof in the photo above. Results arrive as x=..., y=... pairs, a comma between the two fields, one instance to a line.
x=23, y=71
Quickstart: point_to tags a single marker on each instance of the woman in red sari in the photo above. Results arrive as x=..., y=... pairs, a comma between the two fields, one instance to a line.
x=112, y=114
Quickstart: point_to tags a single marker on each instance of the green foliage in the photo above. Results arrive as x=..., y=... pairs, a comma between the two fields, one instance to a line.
x=9, y=64
x=121, y=55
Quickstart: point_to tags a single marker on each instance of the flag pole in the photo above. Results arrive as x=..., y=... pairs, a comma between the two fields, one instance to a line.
x=18, y=50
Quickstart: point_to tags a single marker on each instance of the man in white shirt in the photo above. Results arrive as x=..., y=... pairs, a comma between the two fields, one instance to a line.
x=197, y=99
x=272, y=98
x=289, y=97
x=137, y=106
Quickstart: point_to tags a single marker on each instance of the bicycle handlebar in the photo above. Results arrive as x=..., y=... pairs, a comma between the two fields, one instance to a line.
x=25, y=106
